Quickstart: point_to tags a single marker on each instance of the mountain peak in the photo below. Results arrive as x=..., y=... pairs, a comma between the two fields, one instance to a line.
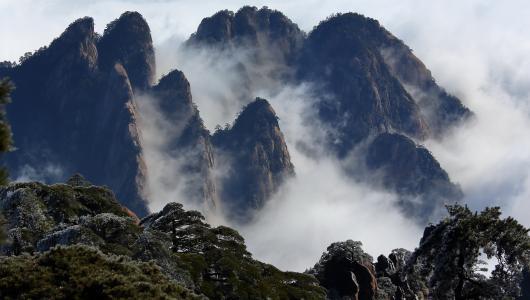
x=174, y=80
x=256, y=116
x=128, y=21
x=127, y=40
x=80, y=27
x=260, y=160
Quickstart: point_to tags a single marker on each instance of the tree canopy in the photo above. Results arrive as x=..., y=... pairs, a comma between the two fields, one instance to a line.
x=450, y=254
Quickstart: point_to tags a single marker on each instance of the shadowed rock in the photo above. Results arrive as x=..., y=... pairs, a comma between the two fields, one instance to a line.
x=412, y=172
x=74, y=111
x=257, y=159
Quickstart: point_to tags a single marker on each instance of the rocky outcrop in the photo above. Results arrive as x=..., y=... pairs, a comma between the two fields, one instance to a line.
x=268, y=32
x=347, y=272
x=255, y=157
x=371, y=73
x=189, y=140
x=259, y=47
x=363, y=96
x=74, y=109
x=127, y=40
x=413, y=173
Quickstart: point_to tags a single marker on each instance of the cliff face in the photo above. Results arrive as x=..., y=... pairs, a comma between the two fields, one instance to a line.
x=412, y=172
x=364, y=98
x=83, y=117
x=74, y=106
x=256, y=157
x=127, y=41
x=440, y=109
x=267, y=32
x=190, y=140
x=258, y=46
x=366, y=83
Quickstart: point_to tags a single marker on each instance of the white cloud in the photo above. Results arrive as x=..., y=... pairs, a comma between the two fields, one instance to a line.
x=478, y=50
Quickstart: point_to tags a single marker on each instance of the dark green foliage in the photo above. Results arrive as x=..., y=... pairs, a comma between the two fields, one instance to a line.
x=219, y=264
x=210, y=261
x=79, y=272
x=5, y=130
x=448, y=258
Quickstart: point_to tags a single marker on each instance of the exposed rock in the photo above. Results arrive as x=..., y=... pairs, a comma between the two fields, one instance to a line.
x=64, y=88
x=259, y=46
x=257, y=159
x=190, y=140
x=127, y=40
x=270, y=33
x=346, y=271
x=364, y=97
x=413, y=173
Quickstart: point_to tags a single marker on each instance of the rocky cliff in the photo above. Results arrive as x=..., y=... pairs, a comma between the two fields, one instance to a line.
x=413, y=173
x=255, y=157
x=189, y=140
x=74, y=110
x=365, y=81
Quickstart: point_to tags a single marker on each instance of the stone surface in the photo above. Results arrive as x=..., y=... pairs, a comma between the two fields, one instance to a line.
x=256, y=157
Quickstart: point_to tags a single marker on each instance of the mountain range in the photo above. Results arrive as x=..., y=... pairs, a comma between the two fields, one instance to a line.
x=76, y=107
x=79, y=107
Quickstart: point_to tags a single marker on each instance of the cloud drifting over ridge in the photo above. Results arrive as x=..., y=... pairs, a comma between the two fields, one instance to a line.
x=478, y=50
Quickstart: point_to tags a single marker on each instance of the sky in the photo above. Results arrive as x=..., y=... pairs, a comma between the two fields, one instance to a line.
x=477, y=50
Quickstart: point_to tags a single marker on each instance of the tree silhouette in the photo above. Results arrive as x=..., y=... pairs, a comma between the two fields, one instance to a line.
x=449, y=255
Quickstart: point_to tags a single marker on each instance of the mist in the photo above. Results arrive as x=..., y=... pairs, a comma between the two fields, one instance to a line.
x=321, y=204
x=477, y=50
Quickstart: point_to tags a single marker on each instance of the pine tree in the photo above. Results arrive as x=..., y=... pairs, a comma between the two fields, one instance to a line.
x=450, y=253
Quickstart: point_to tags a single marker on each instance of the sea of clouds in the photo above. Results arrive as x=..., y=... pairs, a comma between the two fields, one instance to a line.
x=477, y=50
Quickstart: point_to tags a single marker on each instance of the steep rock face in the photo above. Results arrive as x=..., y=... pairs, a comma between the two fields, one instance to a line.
x=259, y=47
x=74, y=111
x=361, y=63
x=190, y=140
x=127, y=41
x=369, y=84
x=413, y=173
x=364, y=98
x=257, y=158
x=264, y=29
x=441, y=110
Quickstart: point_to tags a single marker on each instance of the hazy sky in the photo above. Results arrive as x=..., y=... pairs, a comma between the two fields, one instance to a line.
x=477, y=50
